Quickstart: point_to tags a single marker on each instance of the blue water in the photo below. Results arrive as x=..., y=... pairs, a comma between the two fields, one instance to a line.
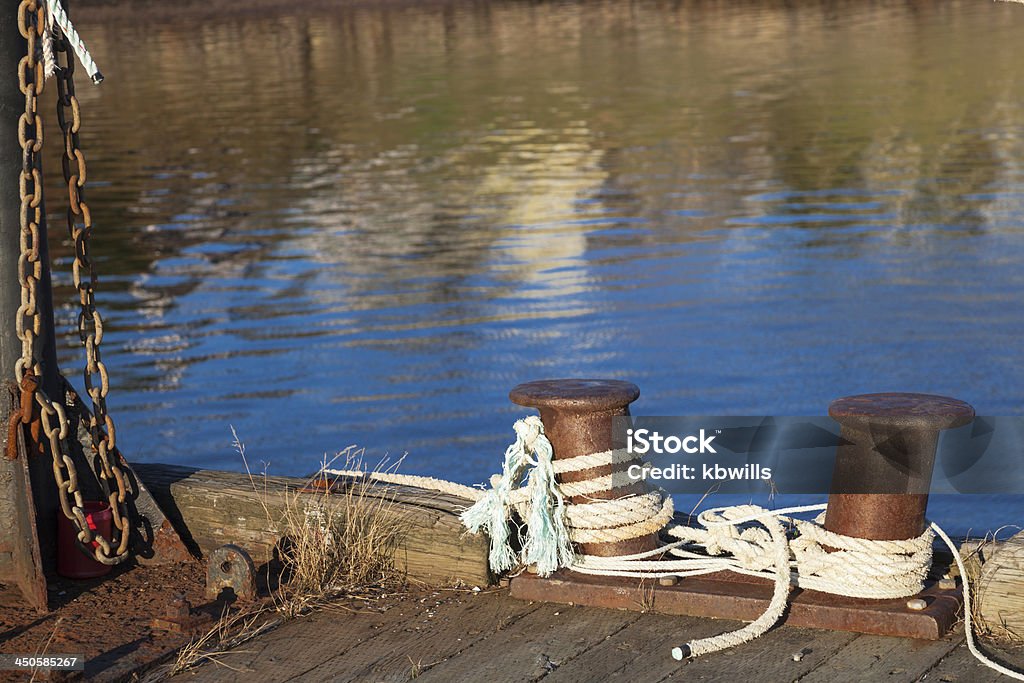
x=364, y=225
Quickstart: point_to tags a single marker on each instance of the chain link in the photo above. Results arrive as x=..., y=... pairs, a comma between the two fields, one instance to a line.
x=28, y=321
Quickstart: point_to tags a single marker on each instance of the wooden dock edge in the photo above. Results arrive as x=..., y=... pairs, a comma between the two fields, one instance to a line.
x=211, y=507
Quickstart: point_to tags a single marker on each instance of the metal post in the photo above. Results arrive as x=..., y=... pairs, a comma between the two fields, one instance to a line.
x=12, y=104
x=884, y=464
x=20, y=561
x=577, y=416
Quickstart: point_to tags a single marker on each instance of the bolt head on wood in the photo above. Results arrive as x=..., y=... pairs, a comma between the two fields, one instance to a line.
x=179, y=607
x=668, y=580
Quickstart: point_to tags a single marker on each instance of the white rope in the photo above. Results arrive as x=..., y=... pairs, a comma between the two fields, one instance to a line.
x=968, y=625
x=49, y=59
x=745, y=539
x=428, y=483
x=601, y=514
x=60, y=17
x=589, y=462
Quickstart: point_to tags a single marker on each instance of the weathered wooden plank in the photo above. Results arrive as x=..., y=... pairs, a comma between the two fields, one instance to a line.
x=533, y=646
x=490, y=637
x=960, y=666
x=446, y=629
x=782, y=654
x=211, y=508
x=881, y=657
x=639, y=652
x=298, y=646
x=642, y=651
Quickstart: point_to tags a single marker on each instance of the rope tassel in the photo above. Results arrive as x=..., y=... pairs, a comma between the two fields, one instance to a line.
x=547, y=541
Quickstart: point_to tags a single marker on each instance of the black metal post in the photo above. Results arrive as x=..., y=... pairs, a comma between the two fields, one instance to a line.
x=12, y=105
x=20, y=561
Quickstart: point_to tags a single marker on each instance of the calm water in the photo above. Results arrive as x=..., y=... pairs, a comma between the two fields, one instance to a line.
x=364, y=225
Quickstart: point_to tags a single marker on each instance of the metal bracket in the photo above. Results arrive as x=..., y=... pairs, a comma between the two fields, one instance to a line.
x=230, y=567
x=725, y=595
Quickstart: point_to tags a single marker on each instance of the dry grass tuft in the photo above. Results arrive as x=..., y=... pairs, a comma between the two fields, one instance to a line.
x=44, y=649
x=645, y=601
x=977, y=554
x=339, y=542
x=230, y=631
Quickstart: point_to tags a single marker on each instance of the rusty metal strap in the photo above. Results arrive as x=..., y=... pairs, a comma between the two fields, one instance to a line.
x=25, y=413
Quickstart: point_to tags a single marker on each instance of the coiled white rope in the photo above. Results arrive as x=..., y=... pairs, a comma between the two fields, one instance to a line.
x=745, y=539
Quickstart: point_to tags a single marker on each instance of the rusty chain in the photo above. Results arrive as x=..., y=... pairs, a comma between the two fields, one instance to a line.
x=32, y=24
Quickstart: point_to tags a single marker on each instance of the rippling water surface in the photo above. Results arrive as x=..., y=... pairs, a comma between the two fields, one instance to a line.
x=336, y=225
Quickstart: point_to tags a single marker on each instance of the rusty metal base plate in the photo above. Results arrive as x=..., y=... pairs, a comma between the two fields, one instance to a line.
x=725, y=595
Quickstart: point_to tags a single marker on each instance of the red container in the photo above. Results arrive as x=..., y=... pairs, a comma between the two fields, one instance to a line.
x=71, y=561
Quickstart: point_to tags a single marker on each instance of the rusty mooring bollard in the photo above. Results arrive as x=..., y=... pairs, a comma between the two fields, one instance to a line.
x=577, y=416
x=884, y=462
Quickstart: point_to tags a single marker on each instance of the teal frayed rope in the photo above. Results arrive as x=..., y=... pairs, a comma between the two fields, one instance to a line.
x=546, y=542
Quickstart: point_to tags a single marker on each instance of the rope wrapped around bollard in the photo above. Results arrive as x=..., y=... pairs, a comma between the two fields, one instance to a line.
x=745, y=539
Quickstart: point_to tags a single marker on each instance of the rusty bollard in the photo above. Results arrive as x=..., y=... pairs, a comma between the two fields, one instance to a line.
x=577, y=416
x=884, y=463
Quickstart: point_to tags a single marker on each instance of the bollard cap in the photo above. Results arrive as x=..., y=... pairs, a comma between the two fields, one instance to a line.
x=904, y=410
x=584, y=395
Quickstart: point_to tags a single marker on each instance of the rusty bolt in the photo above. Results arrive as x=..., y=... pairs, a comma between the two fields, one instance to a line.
x=178, y=618
x=884, y=462
x=179, y=607
x=577, y=416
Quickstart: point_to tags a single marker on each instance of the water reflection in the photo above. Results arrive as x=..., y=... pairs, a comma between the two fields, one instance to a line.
x=328, y=225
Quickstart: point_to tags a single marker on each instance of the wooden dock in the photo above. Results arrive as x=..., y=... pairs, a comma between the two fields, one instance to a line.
x=463, y=636
x=483, y=634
